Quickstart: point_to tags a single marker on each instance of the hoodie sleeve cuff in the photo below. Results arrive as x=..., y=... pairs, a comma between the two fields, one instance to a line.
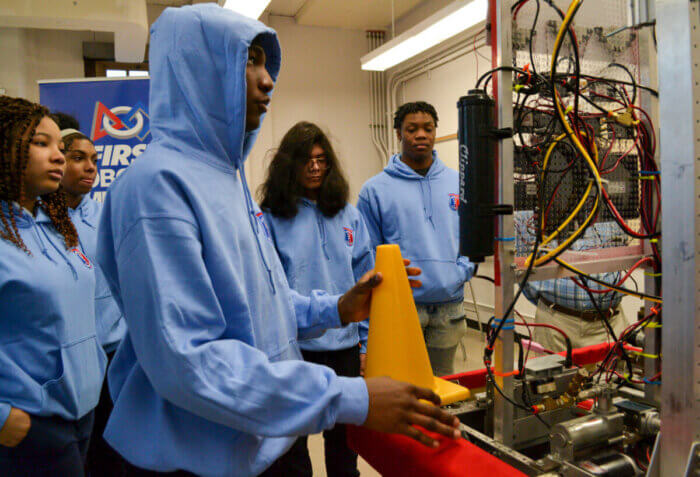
x=354, y=401
x=4, y=413
x=329, y=311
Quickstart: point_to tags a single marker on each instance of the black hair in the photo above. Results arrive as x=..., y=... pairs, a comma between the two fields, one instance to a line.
x=282, y=189
x=410, y=108
x=71, y=138
x=19, y=119
x=65, y=121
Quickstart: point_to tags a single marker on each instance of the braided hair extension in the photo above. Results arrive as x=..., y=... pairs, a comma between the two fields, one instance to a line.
x=19, y=119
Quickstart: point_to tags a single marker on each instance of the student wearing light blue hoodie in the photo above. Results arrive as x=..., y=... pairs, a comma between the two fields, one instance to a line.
x=81, y=170
x=323, y=244
x=51, y=363
x=413, y=203
x=209, y=378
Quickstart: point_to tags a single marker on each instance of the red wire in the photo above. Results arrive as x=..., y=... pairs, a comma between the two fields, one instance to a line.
x=613, y=168
x=542, y=325
x=515, y=13
x=619, y=283
x=549, y=206
x=612, y=143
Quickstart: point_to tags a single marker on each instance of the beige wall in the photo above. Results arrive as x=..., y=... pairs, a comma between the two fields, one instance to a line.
x=320, y=81
x=30, y=55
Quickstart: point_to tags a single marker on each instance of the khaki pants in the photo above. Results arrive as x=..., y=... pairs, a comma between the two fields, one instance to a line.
x=581, y=332
x=444, y=326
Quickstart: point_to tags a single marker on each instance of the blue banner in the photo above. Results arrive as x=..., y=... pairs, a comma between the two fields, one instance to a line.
x=111, y=112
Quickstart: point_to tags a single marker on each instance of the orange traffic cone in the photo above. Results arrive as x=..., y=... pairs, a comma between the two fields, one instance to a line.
x=395, y=346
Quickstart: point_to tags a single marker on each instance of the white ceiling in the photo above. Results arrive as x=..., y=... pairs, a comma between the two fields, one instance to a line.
x=353, y=14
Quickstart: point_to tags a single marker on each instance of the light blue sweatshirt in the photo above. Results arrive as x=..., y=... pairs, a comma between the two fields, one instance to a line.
x=325, y=253
x=111, y=326
x=209, y=378
x=420, y=215
x=51, y=363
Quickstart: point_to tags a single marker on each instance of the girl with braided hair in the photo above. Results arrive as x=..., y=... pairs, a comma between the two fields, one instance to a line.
x=51, y=365
x=79, y=177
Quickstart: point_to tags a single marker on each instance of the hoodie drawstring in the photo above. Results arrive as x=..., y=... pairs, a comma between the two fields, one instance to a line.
x=427, y=199
x=254, y=224
x=83, y=215
x=58, y=250
x=42, y=244
x=322, y=229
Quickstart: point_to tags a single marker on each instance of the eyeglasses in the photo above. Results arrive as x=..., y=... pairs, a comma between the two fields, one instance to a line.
x=320, y=161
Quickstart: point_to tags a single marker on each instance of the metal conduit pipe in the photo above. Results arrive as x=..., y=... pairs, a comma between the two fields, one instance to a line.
x=377, y=124
x=451, y=53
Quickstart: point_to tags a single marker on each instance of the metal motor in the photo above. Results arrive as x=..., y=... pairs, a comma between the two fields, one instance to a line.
x=577, y=437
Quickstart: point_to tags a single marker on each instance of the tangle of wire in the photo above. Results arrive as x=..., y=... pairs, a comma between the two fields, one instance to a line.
x=543, y=94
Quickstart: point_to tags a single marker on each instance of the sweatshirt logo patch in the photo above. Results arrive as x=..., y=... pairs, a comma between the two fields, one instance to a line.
x=82, y=257
x=454, y=201
x=263, y=225
x=349, y=236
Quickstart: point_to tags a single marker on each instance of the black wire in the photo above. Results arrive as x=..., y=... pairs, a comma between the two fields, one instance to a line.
x=515, y=5
x=606, y=284
x=595, y=105
x=636, y=285
x=499, y=68
x=526, y=398
x=577, y=63
x=488, y=279
x=532, y=35
x=492, y=379
x=569, y=31
x=629, y=73
x=609, y=327
x=596, y=305
x=646, y=88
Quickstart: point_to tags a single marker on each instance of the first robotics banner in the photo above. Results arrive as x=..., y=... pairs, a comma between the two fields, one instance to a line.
x=111, y=112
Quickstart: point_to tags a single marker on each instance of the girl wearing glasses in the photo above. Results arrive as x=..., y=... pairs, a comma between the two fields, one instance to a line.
x=323, y=243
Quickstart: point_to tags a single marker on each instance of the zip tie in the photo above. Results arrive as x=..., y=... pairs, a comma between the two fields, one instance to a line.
x=652, y=274
x=655, y=173
x=652, y=324
x=529, y=74
x=518, y=87
x=505, y=375
x=654, y=240
x=497, y=321
x=653, y=383
x=647, y=355
x=643, y=178
x=505, y=239
x=568, y=110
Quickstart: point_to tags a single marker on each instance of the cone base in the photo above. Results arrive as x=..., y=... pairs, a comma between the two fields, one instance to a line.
x=450, y=392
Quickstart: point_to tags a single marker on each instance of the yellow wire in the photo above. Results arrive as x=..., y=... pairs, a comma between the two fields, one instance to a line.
x=565, y=244
x=576, y=210
x=593, y=167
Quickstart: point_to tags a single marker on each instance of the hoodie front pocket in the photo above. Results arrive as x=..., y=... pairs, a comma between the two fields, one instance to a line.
x=77, y=390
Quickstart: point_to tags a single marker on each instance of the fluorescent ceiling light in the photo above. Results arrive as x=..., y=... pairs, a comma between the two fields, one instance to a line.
x=249, y=8
x=446, y=23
